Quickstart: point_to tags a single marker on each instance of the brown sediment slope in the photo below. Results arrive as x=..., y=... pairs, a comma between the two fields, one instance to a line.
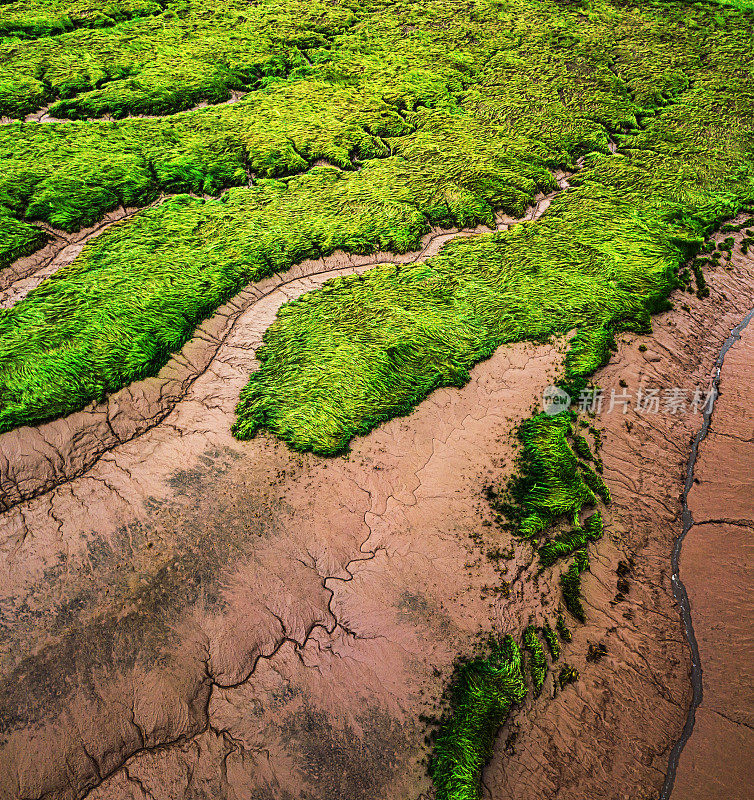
x=717, y=567
x=141, y=590
x=188, y=615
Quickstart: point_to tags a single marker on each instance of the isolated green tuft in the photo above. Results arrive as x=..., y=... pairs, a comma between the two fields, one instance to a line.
x=552, y=641
x=537, y=660
x=567, y=542
x=570, y=582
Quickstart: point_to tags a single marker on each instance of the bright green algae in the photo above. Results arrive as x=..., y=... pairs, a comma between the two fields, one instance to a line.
x=601, y=260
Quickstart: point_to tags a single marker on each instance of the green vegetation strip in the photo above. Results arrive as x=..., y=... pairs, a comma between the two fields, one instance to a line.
x=483, y=692
x=552, y=641
x=17, y=239
x=551, y=482
x=570, y=582
x=563, y=631
x=31, y=19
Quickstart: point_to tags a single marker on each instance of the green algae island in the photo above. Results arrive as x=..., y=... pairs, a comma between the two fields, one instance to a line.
x=282, y=284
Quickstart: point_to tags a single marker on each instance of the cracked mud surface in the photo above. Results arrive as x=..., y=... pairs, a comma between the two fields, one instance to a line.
x=187, y=615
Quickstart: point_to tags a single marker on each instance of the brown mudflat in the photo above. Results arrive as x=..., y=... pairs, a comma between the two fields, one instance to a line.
x=717, y=567
x=188, y=615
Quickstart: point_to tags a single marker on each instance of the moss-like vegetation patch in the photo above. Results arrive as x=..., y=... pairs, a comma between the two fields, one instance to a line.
x=552, y=641
x=17, y=238
x=567, y=675
x=482, y=694
x=550, y=482
x=563, y=630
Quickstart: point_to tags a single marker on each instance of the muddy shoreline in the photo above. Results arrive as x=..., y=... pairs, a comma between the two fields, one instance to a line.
x=679, y=588
x=604, y=728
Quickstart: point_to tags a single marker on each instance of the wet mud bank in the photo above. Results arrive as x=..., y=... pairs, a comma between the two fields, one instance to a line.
x=715, y=565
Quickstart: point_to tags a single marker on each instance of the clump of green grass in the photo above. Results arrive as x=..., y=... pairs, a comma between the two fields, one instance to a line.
x=32, y=19
x=483, y=693
x=596, y=652
x=570, y=582
x=702, y=289
x=595, y=483
x=549, y=483
x=567, y=542
x=567, y=675
x=537, y=660
x=552, y=641
x=581, y=447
